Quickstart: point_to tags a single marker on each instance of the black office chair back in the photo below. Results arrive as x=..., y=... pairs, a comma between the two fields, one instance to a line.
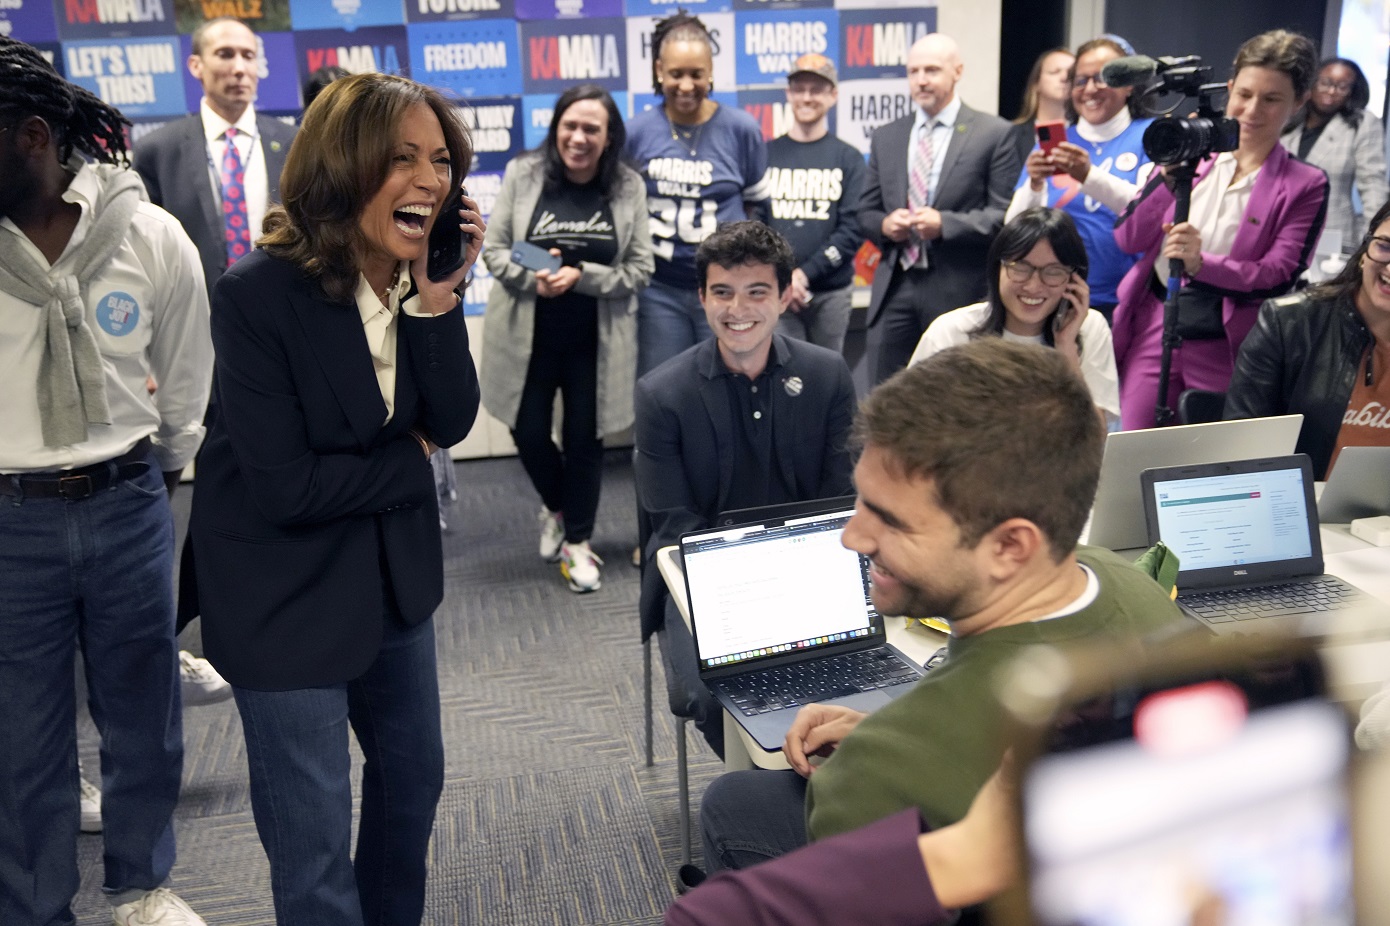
x=1197, y=406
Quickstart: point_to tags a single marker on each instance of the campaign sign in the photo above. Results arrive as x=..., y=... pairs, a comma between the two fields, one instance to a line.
x=567, y=9
x=886, y=5
x=639, y=50
x=112, y=19
x=740, y=5
x=538, y=108
x=278, y=90
x=874, y=43
x=770, y=42
x=664, y=8
x=361, y=51
x=52, y=53
x=346, y=14
x=259, y=15
x=432, y=11
x=772, y=112
x=867, y=104
x=28, y=20
x=140, y=126
x=483, y=187
x=558, y=54
x=475, y=58
x=139, y=76
x=495, y=127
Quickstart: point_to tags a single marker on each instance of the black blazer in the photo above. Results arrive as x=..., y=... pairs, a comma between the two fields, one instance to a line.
x=304, y=501
x=977, y=182
x=685, y=443
x=173, y=162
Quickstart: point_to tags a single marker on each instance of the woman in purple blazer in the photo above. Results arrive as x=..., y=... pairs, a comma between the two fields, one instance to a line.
x=1256, y=214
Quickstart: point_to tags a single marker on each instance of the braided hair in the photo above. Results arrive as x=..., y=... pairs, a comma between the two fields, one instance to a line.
x=680, y=26
x=30, y=86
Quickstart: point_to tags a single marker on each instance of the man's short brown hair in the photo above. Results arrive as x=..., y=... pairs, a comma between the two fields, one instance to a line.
x=1003, y=430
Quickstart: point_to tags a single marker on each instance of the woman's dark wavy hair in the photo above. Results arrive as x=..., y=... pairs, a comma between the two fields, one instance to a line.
x=1013, y=242
x=611, y=159
x=680, y=26
x=1345, y=284
x=337, y=163
x=78, y=119
x=1132, y=104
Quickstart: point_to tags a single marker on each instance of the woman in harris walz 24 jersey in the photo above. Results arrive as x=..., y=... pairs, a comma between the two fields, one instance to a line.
x=704, y=166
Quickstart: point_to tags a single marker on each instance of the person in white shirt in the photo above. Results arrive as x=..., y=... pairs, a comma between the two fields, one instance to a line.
x=99, y=292
x=1036, y=271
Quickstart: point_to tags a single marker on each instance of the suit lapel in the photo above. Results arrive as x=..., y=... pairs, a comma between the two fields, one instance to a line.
x=335, y=335
x=274, y=150
x=965, y=120
x=1268, y=185
x=200, y=176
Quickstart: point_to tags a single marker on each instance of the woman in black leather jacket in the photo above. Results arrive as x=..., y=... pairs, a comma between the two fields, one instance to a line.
x=1306, y=350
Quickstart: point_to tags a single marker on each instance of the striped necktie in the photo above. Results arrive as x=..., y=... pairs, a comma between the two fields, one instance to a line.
x=918, y=187
x=236, y=223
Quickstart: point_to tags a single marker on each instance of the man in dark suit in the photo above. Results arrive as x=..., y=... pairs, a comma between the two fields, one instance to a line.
x=747, y=418
x=185, y=164
x=937, y=186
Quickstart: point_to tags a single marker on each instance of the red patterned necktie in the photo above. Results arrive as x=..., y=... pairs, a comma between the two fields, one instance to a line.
x=235, y=221
x=918, y=188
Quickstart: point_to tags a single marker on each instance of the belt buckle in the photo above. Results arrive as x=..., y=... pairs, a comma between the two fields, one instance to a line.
x=75, y=488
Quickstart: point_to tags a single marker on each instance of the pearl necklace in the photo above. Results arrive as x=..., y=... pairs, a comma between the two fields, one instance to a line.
x=395, y=281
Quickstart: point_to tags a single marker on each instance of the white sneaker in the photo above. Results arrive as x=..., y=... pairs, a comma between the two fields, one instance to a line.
x=91, y=805
x=160, y=907
x=552, y=533
x=579, y=565
x=200, y=682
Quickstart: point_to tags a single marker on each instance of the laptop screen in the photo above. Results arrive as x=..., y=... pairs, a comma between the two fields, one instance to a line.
x=764, y=590
x=1251, y=519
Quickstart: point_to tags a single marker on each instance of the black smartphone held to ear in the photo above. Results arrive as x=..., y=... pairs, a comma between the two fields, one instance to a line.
x=448, y=242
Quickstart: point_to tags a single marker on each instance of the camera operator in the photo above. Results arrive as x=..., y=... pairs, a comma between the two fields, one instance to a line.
x=1256, y=213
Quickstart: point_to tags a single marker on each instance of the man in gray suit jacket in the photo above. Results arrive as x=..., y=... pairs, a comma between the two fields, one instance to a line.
x=743, y=419
x=933, y=238
x=180, y=163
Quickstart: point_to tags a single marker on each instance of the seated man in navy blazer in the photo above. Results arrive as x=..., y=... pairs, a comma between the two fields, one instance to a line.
x=747, y=418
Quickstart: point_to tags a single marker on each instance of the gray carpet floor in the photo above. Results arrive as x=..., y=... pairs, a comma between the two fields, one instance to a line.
x=549, y=813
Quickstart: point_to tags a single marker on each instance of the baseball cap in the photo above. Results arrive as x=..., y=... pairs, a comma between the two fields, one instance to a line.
x=819, y=65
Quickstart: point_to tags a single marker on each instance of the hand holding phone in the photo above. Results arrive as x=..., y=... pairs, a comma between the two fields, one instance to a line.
x=448, y=244
x=1071, y=311
x=1050, y=135
x=528, y=255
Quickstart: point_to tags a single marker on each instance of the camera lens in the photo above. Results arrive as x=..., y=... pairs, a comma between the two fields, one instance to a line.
x=1172, y=141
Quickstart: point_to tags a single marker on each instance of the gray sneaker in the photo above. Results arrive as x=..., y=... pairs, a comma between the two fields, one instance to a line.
x=159, y=907
x=552, y=534
x=91, y=804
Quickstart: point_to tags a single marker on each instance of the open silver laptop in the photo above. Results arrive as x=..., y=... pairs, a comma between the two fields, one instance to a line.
x=1357, y=487
x=1117, y=518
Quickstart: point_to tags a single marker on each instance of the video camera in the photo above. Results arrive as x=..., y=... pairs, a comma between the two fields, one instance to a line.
x=1175, y=140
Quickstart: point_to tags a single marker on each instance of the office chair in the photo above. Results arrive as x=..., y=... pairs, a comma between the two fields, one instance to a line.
x=1198, y=406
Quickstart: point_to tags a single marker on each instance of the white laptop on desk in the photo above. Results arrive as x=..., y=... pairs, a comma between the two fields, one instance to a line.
x=1117, y=518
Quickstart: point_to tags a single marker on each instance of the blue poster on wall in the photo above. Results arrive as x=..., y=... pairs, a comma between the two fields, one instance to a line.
x=875, y=42
x=434, y=11
x=139, y=76
x=361, y=51
x=567, y=9
x=278, y=90
x=495, y=126
x=667, y=7
x=476, y=58
x=559, y=54
x=91, y=19
x=259, y=15
x=769, y=42
x=28, y=20
x=346, y=14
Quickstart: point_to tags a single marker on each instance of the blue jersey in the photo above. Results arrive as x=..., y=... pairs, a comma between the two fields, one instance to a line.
x=691, y=195
x=1121, y=156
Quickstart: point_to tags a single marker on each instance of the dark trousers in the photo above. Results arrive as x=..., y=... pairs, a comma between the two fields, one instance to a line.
x=752, y=816
x=906, y=313
x=687, y=694
x=564, y=358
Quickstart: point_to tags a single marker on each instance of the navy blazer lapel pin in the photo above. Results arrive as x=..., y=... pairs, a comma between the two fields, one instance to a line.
x=793, y=385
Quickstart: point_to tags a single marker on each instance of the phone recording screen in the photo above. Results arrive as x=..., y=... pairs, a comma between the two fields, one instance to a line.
x=1212, y=813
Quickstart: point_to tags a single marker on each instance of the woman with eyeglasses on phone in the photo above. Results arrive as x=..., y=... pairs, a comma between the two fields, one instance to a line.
x=1256, y=214
x=1325, y=354
x=1336, y=132
x=1036, y=272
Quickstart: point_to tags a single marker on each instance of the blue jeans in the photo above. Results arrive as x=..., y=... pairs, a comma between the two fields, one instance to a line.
x=98, y=573
x=751, y=816
x=301, y=793
x=668, y=321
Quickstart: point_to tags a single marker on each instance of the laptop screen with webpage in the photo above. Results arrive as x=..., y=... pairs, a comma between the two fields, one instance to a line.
x=763, y=591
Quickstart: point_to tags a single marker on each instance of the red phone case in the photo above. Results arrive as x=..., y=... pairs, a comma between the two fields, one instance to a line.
x=1050, y=135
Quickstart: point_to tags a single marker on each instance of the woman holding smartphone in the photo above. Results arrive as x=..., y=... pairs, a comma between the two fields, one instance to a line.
x=1036, y=272
x=572, y=327
x=1095, y=170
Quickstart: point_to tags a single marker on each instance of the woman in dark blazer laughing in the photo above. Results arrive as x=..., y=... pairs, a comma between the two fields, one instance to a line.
x=340, y=367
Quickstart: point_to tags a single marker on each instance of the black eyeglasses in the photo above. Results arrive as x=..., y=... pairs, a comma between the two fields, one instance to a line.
x=1020, y=271
x=1081, y=80
x=1378, y=250
x=1327, y=83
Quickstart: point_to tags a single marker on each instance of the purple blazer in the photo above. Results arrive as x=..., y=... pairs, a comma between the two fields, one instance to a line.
x=1283, y=219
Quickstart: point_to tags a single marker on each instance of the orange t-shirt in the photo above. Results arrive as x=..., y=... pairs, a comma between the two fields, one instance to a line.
x=1367, y=419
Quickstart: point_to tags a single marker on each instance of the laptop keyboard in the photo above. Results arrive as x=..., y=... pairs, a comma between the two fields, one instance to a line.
x=1324, y=593
x=819, y=680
